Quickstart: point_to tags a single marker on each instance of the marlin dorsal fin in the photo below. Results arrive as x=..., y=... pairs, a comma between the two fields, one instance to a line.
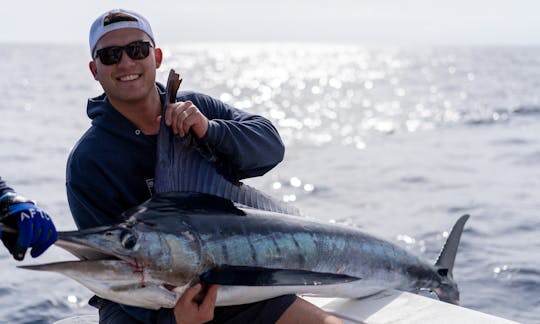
x=188, y=164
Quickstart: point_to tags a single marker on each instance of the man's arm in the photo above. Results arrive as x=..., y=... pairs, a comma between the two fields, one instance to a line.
x=250, y=143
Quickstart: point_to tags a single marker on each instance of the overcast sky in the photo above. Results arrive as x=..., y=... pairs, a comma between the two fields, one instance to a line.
x=432, y=22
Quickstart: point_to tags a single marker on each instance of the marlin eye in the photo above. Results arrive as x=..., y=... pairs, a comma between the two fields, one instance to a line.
x=128, y=239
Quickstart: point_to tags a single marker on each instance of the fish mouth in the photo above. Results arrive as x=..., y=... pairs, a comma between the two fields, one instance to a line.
x=116, y=280
x=84, y=245
x=80, y=244
x=96, y=260
x=89, y=255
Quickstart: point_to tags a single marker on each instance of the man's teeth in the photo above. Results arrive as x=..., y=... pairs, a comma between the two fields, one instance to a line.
x=130, y=77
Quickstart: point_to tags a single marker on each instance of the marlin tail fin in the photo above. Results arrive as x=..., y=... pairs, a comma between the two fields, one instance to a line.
x=448, y=290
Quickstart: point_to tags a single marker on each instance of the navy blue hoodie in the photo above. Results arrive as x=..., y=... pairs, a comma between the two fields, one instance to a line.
x=111, y=168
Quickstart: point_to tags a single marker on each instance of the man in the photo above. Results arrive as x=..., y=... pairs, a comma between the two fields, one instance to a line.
x=34, y=228
x=111, y=169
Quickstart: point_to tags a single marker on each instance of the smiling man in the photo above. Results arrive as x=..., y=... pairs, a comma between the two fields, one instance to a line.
x=111, y=169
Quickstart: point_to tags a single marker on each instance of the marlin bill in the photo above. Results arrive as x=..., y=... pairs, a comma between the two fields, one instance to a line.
x=177, y=239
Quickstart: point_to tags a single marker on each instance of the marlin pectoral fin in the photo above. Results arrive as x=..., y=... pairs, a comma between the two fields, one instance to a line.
x=253, y=276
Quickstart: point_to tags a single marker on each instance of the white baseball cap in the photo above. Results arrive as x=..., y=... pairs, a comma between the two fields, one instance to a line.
x=117, y=19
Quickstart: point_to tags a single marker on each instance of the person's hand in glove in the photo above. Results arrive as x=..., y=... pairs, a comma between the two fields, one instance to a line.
x=33, y=226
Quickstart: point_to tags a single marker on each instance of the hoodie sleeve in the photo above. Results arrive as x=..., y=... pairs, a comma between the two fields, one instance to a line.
x=250, y=143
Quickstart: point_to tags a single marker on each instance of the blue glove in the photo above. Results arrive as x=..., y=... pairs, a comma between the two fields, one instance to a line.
x=35, y=227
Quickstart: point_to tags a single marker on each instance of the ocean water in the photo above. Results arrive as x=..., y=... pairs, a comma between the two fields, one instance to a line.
x=398, y=142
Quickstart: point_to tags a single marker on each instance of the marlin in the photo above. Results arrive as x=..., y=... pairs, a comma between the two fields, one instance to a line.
x=217, y=231
x=175, y=240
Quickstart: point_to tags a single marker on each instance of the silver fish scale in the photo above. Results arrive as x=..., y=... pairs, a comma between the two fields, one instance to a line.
x=262, y=241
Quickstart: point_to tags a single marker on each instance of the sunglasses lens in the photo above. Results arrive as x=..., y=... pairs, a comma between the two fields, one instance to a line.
x=112, y=55
x=138, y=50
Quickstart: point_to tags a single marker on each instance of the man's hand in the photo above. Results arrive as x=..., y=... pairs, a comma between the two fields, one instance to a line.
x=188, y=311
x=35, y=228
x=183, y=116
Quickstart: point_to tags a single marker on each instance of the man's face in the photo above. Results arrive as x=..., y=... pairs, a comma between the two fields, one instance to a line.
x=128, y=81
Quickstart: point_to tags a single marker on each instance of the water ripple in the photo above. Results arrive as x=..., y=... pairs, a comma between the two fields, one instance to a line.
x=323, y=94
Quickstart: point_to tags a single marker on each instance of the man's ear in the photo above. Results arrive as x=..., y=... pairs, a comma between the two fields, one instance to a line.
x=159, y=57
x=93, y=69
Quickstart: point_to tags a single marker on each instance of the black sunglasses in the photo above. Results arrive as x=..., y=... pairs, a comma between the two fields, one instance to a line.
x=136, y=50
